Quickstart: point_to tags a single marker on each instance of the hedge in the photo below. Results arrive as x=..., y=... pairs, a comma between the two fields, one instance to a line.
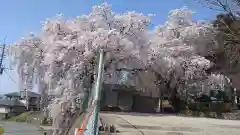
x=211, y=107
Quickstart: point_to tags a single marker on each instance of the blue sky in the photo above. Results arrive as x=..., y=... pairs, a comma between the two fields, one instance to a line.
x=19, y=17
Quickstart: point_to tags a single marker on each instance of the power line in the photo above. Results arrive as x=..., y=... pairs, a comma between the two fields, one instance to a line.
x=10, y=76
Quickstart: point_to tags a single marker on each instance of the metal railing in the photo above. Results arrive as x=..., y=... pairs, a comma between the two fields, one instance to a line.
x=90, y=123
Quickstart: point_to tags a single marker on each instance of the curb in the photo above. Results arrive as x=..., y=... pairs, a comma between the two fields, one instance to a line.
x=43, y=129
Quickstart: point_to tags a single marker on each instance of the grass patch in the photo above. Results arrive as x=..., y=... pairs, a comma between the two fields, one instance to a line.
x=23, y=117
x=2, y=130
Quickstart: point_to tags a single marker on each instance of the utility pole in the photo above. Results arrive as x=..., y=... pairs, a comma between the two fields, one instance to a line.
x=2, y=57
x=2, y=68
x=27, y=102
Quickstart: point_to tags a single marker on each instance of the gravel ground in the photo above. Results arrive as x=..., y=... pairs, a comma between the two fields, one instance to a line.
x=152, y=124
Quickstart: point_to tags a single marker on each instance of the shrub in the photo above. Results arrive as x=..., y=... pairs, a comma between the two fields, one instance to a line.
x=192, y=107
x=22, y=117
x=46, y=121
x=210, y=107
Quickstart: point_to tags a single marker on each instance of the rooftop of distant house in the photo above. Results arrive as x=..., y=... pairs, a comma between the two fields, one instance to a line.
x=18, y=94
x=5, y=102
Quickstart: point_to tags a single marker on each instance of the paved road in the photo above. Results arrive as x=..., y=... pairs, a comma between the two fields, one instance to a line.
x=12, y=128
x=147, y=124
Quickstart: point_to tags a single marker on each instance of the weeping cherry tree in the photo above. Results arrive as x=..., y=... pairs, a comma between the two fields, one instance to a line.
x=177, y=51
x=62, y=58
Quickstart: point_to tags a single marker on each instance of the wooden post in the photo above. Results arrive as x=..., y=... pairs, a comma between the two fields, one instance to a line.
x=238, y=100
x=118, y=95
x=161, y=101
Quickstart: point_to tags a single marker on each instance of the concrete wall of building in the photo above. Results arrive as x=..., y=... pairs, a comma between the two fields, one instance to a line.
x=18, y=109
x=4, y=109
x=7, y=111
x=128, y=102
x=110, y=98
x=125, y=101
x=144, y=104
